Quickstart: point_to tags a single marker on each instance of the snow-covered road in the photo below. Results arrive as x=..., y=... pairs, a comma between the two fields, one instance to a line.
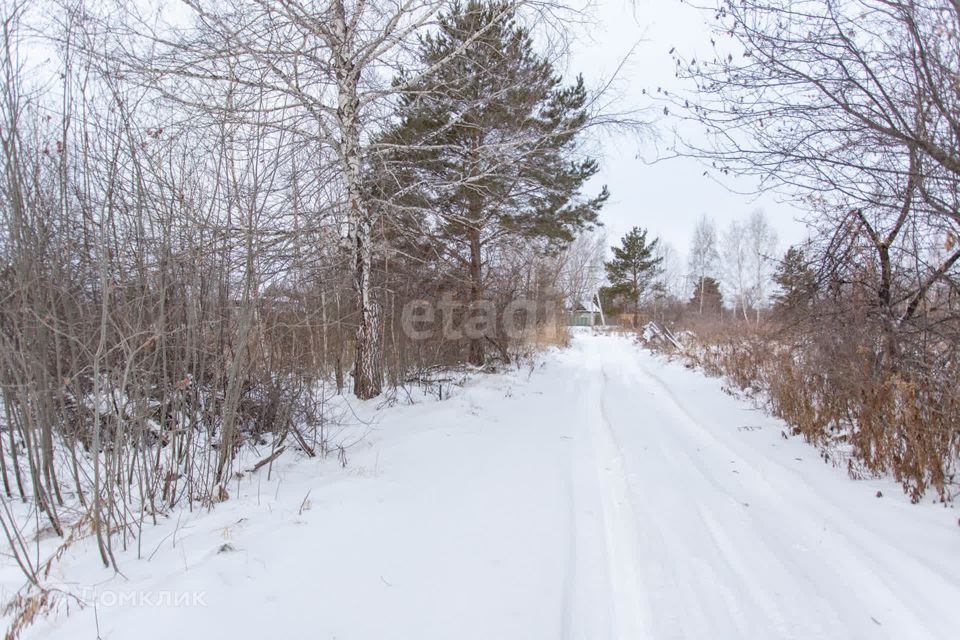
x=607, y=495
x=715, y=527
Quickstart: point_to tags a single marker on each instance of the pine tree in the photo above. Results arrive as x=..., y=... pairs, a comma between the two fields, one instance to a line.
x=634, y=265
x=707, y=297
x=797, y=282
x=486, y=147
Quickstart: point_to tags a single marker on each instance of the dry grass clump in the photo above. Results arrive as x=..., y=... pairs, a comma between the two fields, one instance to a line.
x=840, y=394
x=550, y=333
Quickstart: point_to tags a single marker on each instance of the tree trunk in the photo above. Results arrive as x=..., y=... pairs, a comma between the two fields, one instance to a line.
x=477, y=355
x=703, y=278
x=368, y=362
x=891, y=343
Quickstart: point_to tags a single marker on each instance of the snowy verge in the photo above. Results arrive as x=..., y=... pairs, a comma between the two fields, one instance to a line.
x=605, y=494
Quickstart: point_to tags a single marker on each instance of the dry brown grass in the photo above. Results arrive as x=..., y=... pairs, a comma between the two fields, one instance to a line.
x=835, y=392
x=550, y=333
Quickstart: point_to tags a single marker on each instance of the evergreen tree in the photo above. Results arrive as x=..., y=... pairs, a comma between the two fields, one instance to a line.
x=634, y=266
x=612, y=300
x=707, y=297
x=797, y=282
x=486, y=146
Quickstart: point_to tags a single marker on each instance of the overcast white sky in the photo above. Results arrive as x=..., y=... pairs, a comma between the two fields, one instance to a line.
x=668, y=197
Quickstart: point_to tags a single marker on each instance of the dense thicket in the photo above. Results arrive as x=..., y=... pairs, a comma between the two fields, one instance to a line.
x=197, y=249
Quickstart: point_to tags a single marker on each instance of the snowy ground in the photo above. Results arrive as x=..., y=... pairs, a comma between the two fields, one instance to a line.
x=607, y=495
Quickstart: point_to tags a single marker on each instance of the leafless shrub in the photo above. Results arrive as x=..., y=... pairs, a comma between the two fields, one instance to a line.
x=191, y=263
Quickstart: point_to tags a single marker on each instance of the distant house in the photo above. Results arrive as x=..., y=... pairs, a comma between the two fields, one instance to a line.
x=581, y=316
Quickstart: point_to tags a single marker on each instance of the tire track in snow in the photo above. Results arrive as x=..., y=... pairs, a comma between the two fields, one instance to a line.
x=839, y=556
x=587, y=592
x=570, y=575
x=760, y=538
x=620, y=527
x=703, y=581
x=567, y=611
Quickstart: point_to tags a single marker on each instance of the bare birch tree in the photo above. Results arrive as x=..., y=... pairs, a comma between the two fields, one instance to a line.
x=761, y=242
x=581, y=267
x=325, y=70
x=704, y=256
x=735, y=266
